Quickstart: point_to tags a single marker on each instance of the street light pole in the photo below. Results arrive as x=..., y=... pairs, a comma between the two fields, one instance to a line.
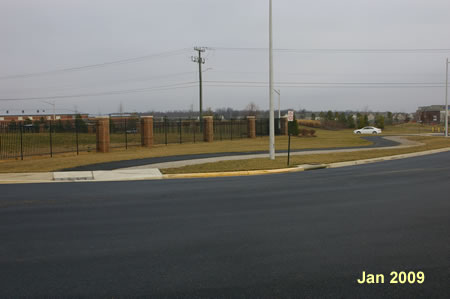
x=446, y=99
x=271, y=111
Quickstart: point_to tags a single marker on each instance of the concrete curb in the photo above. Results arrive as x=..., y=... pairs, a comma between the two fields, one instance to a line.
x=387, y=158
x=154, y=174
x=303, y=167
x=81, y=176
x=230, y=173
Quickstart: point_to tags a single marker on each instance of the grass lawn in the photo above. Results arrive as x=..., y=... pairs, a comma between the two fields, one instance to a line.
x=281, y=162
x=325, y=139
x=408, y=128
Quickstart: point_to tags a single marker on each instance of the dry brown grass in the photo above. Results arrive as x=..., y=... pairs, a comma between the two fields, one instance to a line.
x=407, y=128
x=281, y=162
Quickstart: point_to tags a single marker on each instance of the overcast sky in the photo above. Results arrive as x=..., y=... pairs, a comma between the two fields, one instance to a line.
x=45, y=35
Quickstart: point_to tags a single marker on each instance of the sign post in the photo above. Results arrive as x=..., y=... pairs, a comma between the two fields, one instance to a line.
x=290, y=119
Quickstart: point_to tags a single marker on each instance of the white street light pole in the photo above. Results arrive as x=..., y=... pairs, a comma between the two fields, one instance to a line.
x=53, y=104
x=271, y=112
x=279, y=107
x=446, y=99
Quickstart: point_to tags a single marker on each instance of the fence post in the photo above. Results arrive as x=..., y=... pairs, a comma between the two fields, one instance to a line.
x=21, y=141
x=103, y=139
x=76, y=136
x=165, y=128
x=251, y=126
x=180, y=124
x=261, y=134
x=126, y=134
x=51, y=139
x=208, y=129
x=147, y=131
x=231, y=128
x=195, y=128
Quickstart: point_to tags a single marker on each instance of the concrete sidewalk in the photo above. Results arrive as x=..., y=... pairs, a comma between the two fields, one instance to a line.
x=403, y=143
x=81, y=176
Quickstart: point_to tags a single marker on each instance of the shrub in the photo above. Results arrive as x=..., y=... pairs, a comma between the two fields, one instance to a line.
x=312, y=133
x=303, y=132
x=309, y=123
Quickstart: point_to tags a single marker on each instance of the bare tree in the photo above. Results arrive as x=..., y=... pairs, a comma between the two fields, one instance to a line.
x=252, y=109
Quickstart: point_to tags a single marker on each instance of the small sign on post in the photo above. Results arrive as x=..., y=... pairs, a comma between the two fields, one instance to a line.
x=290, y=119
x=290, y=115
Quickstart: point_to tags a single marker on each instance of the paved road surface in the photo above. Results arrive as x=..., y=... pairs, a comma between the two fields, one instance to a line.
x=300, y=235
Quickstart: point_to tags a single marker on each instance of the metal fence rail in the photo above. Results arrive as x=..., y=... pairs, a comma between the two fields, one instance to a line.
x=20, y=139
x=230, y=129
x=124, y=132
x=169, y=131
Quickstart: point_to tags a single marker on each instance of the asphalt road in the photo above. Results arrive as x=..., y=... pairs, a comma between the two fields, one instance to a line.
x=299, y=235
x=378, y=141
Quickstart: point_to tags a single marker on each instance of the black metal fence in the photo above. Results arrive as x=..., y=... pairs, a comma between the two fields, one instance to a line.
x=167, y=131
x=124, y=132
x=262, y=127
x=230, y=129
x=21, y=139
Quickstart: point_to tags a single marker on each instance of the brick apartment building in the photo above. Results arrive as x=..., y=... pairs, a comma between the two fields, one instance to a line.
x=434, y=114
x=6, y=118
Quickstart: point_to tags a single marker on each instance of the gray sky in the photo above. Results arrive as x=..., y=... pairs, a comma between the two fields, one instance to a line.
x=44, y=35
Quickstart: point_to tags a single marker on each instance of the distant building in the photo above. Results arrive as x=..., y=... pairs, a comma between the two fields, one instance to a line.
x=33, y=117
x=434, y=114
x=371, y=118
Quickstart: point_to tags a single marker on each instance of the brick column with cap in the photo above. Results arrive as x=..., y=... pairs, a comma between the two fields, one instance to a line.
x=251, y=126
x=102, y=124
x=208, y=129
x=147, y=131
x=284, y=125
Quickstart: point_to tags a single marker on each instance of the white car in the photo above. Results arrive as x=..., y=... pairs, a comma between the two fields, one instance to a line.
x=368, y=130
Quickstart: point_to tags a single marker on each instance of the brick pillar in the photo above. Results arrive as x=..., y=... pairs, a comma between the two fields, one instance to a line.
x=208, y=129
x=251, y=126
x=147, y=131
x=102, y=126
x=284, y=125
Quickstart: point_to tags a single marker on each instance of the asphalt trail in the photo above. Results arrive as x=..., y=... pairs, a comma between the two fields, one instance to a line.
x=299, y=235
x=378, y=141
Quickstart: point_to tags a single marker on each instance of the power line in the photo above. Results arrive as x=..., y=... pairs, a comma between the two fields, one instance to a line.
x=327, y=86
x=343, y=50
x=140, y=79
x=98, y=65
x=115, y=92
x=329, y=83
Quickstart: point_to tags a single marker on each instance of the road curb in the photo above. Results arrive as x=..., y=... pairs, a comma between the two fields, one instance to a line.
x=300, y=168
x=131, y=175
x=387, y=158
x=231, y=173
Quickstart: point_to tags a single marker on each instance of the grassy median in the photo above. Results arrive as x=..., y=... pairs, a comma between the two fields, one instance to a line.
x=281, y=162
x=324, y=139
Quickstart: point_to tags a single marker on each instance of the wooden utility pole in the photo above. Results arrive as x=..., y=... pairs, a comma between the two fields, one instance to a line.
x=198, y=59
